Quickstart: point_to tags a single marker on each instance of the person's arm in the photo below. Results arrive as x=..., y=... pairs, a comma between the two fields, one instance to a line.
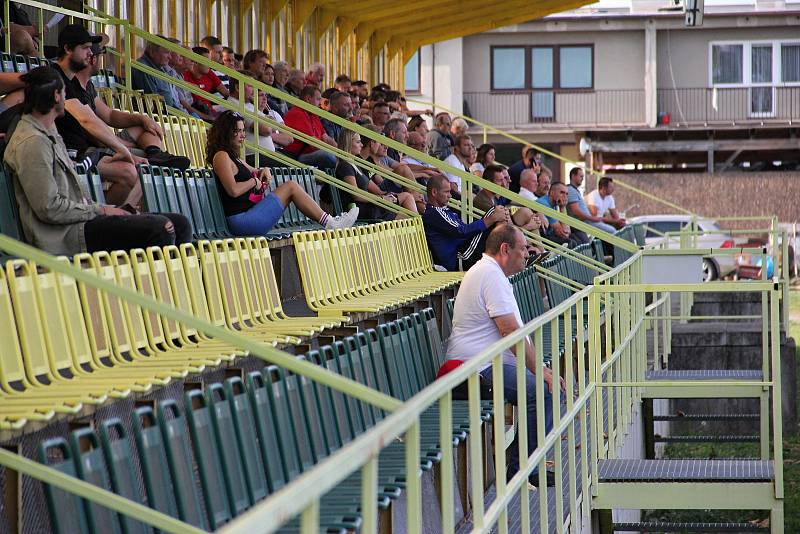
x=150, y=85
x=592, y=209
x=507, y=325
x=32, y=161
x=281, y=138
x=96, y=127
x=9, y=81
x=328, y=139
x=574, y=210
x=224, y=169
x=219, y=87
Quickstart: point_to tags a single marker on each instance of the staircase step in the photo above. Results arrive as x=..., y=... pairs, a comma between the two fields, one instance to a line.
x=658, y=526
x=704, y=374
x=707, y=417
x=688, y=470
x=706, y=439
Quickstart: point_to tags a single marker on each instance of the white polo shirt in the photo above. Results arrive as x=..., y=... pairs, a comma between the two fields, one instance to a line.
x=602, y=204
x=485, y=293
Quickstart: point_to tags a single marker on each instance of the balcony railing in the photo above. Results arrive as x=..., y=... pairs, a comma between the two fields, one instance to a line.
x=676, y=108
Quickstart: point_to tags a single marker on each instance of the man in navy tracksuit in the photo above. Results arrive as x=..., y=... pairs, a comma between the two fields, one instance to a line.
x=448, y=235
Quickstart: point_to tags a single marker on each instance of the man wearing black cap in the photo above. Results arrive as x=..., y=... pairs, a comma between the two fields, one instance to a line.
x=86, y=127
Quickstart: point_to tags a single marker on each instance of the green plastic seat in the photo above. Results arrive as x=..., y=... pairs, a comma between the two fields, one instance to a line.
x=203, y=225
x=67, y=513
x=208, y=183
x=9, y=216
x=91, y=467
x=150, y=199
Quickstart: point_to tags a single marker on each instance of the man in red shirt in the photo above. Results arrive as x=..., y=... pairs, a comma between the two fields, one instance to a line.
x=311, y=125
x=204, y=78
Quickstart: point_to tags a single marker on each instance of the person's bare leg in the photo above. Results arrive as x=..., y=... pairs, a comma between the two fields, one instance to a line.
x=524, y=218
x=22, y=43
x=292, y=192
x=123, y=179
x=407, y=201
x=144, y=138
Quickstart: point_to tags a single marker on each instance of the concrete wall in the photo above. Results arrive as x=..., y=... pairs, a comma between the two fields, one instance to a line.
x=715, y=195
x=442, y=75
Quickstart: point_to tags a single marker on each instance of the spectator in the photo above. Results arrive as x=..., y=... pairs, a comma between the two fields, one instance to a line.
x=86, y=126
x=558, y=231
x=448, y=236
x=362, y=90
x=342, y=83
x=264, y=131
x=458, y=159
x=350, y=142
x=531, y=160
x=458, y=127
x=396, y=130
x=24, y=35
x=380, y=114
x=250, y=207
x=178, y=65
x=156, y=57
x=255, y=62
x=485, y=200
x=295, y=82
x=601, y=202
x=576, y=207
x=339, y=104
x=309, y=124
x=419, y=125
x=528, y=184
x=324, y=102
x=56, y=213
x=486, y=153
x=229, y=57
x=422, y=171
x=375, y=153
x=204, y=78
x=278, y=138
x=315, y=75
x=280, y=73
x=214, y=47
x=485, y=312
x=438, y=142
x=543, y=182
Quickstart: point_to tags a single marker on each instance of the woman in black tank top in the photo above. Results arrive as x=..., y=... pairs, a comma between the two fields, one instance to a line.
x=250, y=207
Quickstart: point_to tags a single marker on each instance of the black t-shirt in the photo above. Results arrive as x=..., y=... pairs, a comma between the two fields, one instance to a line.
x=367, y=210
x=235, y=205
x=75, y=137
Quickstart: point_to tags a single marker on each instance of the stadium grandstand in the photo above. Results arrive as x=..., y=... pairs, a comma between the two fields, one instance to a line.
x=247, y=287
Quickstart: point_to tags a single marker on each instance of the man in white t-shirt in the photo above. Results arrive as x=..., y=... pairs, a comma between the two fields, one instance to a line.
x=458, y=159
x=601, y=203
x=528, y=181
x=485, y=312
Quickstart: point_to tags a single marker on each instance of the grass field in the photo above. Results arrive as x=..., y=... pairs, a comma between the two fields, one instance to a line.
x=791, y=461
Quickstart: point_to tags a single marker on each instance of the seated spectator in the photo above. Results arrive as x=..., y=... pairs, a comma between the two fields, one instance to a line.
x=264, y=131
x=255, y=62
x=56, y=213
x=601, y=203
x=350, y=142
x=396, y=130
x=214, y=47
x=558, y=231
x=295, y=82
x=485, y=312
x=315, y=75
x=576, y=206
x=339, y=104
x=361, y=89
x=12, y=90
x=342, y=83
x=422, y=171
x=543, y=182
x=279, y=137
x=528, y=184
x=204, y=78
x=86, y=127
x=25, y=38
x=250, y=207
x=229, y=58
x=419, y=125
x=281, y=71
x=485, y=200
x=380, y=114
x=439, y=142
x=310, y=124
x=448, y=236
x=376, y=153
x=324, y=102
x=462, y=148
x=458, y=127
x=178, y=65
x=156, y=57
x=485, y=157
x=531, y=160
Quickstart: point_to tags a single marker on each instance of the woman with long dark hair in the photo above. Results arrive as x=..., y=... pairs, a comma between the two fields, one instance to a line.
x=250, y=207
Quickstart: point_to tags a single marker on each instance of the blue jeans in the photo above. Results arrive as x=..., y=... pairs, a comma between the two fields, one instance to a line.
x=604, y=227
x=259, y=219
x=319, y=159
x=510, y=392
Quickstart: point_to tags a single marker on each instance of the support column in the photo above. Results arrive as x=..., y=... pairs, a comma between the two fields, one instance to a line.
x=650, y=75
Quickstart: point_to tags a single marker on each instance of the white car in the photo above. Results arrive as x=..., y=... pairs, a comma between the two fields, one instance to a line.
x=713, y=267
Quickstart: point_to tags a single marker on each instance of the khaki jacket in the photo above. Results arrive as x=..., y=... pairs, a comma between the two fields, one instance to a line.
x=53, y=207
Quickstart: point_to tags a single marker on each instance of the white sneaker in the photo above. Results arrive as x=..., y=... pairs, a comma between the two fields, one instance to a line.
x=345, y=220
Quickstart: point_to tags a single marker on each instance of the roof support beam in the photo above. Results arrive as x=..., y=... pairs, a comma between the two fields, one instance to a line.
x=720, y=145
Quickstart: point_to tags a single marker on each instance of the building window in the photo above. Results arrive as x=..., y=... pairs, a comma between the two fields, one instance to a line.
x=790, y=63
x=537, y=68
x=576, y=67
x=412, y=74
x=726, y=63
x=508, y=68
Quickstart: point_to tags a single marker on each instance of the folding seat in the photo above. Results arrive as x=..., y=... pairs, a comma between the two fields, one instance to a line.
x=202, y=222
x=182, y=197
x=20, y=64
x=67, y=514
x=208, y=192
x=7, y=62
x=9, y=216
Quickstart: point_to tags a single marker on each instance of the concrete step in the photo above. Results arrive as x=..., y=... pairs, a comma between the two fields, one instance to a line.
x=688, y=470
x=661, y=526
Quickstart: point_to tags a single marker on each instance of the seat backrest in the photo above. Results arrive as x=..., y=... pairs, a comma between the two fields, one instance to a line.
x=160, y=188
x=184, y=206
x=67, y=513
x=91, y=467
x=389, y=342
x=174, y=434
x=12, y=365
x=7, y=62
x=211, y=282
x=122, y=343
x=98, y=194
x=212, y=229
x=202, y=228
x=178, y=282
x=148, y=189
x=97, y=327
x=161, y=282
x=9, y=215
x=214, y=203
x=169, y=188
x=244, y=430
x=116, y=446
x=296, y=460
x=207, y=457
x=271, y=444
x=335, y=402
